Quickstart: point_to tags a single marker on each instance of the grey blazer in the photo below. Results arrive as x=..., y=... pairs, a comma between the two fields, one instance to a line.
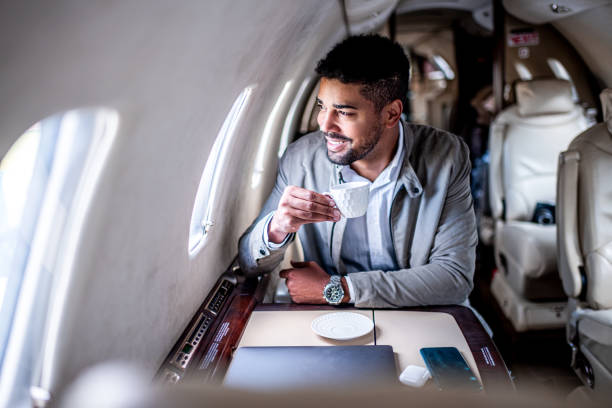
x=432, y=220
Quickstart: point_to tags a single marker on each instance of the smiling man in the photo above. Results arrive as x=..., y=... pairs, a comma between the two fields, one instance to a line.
x=416, y=243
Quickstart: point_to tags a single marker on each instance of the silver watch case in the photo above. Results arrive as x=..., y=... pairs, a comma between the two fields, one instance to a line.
x=333, y=292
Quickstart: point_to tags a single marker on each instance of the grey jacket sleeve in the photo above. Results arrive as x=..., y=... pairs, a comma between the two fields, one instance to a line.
x=448, y=276
x=254, y=255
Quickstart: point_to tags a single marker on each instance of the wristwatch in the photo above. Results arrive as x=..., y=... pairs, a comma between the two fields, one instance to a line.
x=333, y=292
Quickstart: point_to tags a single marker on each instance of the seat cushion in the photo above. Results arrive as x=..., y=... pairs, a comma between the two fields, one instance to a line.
x=529, y=252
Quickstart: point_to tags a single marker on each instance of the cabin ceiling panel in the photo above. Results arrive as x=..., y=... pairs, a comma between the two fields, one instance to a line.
x=590, y=33
x=368, y=15
x=543, y=11
x=408, y=6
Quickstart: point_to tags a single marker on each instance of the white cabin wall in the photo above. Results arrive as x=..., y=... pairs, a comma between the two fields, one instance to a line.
x=172, y=71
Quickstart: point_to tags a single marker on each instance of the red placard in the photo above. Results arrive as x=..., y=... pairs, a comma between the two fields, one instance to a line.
x=522, y=39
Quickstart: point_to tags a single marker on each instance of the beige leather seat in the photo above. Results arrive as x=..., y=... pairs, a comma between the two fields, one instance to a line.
x=525, y=143
x=585, y=249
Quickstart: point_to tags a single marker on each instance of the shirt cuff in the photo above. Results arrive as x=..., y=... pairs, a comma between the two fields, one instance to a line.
x=273, y=245
x=350, y=288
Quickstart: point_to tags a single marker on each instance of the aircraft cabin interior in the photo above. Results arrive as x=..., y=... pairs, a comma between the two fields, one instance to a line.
x=140, y=139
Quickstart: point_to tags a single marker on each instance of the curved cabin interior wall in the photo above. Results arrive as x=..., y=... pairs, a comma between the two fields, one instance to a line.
x=535, y=58
x=133, y=285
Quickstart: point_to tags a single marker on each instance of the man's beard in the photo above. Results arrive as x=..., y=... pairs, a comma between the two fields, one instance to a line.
x=353, y=155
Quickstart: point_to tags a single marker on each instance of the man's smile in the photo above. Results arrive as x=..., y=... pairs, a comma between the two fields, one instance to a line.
x=335, y=143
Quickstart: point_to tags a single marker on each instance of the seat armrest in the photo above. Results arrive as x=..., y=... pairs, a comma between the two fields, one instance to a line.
x=606, y=104
x=568, y=248
x=496, y=144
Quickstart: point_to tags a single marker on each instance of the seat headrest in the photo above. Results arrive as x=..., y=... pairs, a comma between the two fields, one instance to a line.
x=606, y=105
x=543, y=96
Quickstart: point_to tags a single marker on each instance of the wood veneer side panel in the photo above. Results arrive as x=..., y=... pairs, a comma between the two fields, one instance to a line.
x=213, y=360
x=236, y=320
x=491, y=365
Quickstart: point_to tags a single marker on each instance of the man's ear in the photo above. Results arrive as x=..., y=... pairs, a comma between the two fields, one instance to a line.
x=392, y=112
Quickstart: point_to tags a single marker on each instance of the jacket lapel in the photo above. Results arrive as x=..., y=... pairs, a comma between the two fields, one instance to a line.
x=407, y=187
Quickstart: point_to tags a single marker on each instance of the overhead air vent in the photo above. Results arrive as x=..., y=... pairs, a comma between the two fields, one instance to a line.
x=559, y=9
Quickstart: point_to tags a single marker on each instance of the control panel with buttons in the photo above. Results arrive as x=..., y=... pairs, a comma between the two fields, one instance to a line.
x=221, y=294
x=176, y=363
x=185, y=352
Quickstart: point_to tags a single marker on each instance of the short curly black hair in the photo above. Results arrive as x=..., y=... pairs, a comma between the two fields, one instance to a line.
x=376, y=62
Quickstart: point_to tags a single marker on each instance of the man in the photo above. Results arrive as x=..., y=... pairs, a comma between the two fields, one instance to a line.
x=416, y=243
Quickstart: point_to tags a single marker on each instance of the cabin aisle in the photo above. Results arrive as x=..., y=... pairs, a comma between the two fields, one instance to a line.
x=539, y=361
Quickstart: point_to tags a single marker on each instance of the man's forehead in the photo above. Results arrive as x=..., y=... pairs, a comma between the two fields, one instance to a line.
x=333, y=91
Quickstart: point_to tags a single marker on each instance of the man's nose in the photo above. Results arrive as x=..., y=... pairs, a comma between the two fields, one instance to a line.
x=326, y=121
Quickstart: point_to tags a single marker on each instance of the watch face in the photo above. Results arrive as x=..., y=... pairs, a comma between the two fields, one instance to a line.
x=333, y=293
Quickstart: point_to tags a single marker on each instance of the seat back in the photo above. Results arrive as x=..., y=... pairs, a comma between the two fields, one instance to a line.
x=525, y=143
x=526, y=140
x=584, y=234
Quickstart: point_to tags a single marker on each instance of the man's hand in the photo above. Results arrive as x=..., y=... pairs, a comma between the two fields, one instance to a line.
x=306, y=281
x=298, y=206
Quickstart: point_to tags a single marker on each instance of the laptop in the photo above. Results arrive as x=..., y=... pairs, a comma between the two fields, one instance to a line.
x=274, y=368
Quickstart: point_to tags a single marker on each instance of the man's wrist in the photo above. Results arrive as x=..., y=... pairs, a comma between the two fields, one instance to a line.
x=275, y=236
x=345, y=288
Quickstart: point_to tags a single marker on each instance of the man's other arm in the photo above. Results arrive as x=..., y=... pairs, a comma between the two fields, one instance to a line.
x=448, y=276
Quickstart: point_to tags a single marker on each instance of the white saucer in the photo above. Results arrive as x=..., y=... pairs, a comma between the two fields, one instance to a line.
x=342, y=325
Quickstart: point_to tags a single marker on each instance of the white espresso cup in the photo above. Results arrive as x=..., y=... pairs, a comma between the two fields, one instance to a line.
x=351, y=198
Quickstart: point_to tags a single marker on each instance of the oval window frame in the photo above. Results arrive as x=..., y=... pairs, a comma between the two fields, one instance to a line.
x=201, y=217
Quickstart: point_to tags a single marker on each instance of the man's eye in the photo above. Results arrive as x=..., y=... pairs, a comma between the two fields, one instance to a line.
x=345, y=113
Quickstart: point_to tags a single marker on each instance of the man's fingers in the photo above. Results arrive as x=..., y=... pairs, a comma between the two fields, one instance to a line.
x=297, y=264
x=309, y=208
x=284, y=273
x=307, y=216
x=312, y=206
x=299, y=206
x=288, y=222
x=313, y=196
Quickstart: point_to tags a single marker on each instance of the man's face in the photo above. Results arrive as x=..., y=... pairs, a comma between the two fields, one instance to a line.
x=350, y=123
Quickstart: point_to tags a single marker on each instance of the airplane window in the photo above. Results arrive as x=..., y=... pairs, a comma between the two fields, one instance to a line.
x=523, y=71
x=294, y=121
x=201, y=217
x=15, y=176
x=311, y=111
x=561, y=72
x=270, y=128
x=48, y=172
x=444, y=67
x=435, y=75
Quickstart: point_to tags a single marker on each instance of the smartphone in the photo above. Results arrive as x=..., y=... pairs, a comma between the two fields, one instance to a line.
x=449, y=369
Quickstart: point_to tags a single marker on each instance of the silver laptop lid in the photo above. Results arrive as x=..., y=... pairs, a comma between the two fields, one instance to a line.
x=273, y=368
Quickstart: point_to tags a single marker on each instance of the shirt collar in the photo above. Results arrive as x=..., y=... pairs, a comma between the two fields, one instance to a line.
x=407, y=177
x=390, y=173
